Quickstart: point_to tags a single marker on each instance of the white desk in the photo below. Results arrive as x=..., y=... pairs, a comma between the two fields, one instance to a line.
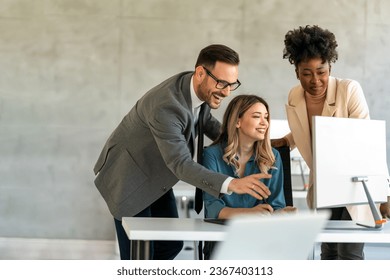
x=172, y=229
x=142, y=230
x=363, y=235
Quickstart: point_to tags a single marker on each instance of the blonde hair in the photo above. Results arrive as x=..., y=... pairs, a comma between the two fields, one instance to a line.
x=264, y=156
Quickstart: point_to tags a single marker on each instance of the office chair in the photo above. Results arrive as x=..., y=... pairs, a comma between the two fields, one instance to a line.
x=284, y=152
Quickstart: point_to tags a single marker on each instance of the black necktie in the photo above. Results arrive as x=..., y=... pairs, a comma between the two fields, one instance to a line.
x=199, y=156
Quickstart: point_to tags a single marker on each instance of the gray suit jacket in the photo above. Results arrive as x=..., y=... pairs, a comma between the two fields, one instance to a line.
x=152, y=148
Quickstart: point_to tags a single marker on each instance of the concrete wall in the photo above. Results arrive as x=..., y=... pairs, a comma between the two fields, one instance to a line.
x=71, y=69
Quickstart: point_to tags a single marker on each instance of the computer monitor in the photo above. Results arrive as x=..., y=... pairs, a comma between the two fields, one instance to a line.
x=349, y=163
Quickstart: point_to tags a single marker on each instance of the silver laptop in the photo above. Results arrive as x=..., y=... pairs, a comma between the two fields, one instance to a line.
x=274, y=237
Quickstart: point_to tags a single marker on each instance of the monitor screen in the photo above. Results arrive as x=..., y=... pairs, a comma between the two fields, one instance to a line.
x=345, y=148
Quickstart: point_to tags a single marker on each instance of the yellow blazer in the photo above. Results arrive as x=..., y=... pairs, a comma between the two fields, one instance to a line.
x=344, y=99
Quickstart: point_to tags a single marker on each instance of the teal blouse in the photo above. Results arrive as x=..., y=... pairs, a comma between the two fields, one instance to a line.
x=212, y=159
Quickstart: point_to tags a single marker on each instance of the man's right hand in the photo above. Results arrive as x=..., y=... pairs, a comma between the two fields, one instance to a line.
x=251, y=185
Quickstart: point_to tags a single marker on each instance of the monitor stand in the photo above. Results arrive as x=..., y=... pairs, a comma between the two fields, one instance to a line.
x=375, y=213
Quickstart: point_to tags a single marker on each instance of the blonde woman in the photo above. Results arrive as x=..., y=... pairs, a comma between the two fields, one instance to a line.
x=243, y=148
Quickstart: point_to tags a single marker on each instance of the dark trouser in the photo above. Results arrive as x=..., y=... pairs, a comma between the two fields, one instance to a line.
x=208, y=249
x=341, y=251
x=164, y=207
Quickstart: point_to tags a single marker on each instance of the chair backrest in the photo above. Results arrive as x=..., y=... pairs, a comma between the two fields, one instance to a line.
x=284, y=152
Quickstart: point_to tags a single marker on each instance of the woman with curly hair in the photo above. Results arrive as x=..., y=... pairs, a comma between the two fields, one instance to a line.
x=311, y=50
x=244, y=148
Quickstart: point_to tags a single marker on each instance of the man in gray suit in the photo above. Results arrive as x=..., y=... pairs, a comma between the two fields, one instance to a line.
x=153, y=147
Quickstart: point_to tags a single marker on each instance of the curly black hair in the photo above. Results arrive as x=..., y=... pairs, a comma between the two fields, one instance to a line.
x=310, y=42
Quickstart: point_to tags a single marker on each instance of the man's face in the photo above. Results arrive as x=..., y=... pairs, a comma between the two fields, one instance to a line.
x=206, y=88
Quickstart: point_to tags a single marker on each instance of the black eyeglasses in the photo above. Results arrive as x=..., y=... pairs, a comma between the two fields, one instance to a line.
x=221, y=84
